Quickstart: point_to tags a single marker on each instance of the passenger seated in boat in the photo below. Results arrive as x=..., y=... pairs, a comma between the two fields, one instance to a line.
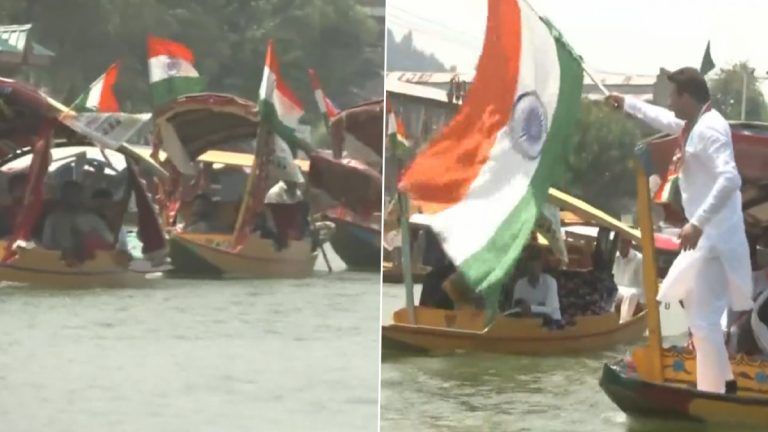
x=73, y=229
x=102, y=204
x=441, y=268
x=202, y=216
x=536, y=293
x=17, y=188
x=628, y=274
x=289, y=212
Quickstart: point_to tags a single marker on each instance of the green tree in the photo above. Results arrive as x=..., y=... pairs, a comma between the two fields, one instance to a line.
x=598, y=167
x=228, y=37
x=726, y=91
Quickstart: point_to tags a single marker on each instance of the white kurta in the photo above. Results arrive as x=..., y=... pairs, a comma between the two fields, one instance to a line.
x=717, y=273
x=628, y=273
x=710, y=188
x=542, y=298
x=279, y=194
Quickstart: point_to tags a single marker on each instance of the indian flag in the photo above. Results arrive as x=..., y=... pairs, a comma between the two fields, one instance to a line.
x=171, y=70
x=396, y=137
x=100, y=96
x=482, y=181
x=279, y=105
x=326, y=106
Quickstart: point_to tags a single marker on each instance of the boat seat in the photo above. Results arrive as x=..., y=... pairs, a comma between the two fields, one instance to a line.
x=581, y=293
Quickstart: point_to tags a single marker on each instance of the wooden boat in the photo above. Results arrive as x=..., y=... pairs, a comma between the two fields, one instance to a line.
x=34, y=264
x=393, y=274
x=192, y=128
x=39, y=266
x=357, y=132
x=211, y=255
x=357, y=244
x=661, y=382
x=438, y=330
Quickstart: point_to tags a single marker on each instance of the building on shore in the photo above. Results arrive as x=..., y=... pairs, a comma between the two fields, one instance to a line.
x=18, y=52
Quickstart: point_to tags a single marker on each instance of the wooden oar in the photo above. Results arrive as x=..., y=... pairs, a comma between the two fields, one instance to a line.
x=325, y=258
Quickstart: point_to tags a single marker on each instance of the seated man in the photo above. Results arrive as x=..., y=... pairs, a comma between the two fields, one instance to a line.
x=201, y=219
x=440, y=269
x=289, y=212
x=628, y=274
x=17, y=189
x=102, y=205
x=536, y=293
x=74, y=230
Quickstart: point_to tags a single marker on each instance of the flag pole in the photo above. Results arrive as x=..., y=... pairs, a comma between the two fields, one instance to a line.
x=405, y=255
x=262, y=139
x=578, y=57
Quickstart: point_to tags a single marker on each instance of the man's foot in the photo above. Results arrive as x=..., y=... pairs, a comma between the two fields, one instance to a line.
x=731, y=387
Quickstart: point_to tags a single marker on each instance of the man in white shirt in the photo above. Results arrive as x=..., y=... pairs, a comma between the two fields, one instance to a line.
x=287, y=212
x=713, y=268
x=536, y=293
x=284, y=192
x=628, y=275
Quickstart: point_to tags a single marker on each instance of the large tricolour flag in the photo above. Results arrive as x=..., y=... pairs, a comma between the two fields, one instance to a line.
x=171, y=70
x=326, y=106
x=483, y=180
x=279, y=104
x=100, y=96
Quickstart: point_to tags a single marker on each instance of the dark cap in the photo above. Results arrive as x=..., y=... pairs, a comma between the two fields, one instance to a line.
x=689, y=81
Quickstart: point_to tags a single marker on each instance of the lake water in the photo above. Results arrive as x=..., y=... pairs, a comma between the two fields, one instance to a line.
x=484, y=392
x=193, y=355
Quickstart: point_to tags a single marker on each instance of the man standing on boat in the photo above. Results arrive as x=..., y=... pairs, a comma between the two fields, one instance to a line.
x=712, y=271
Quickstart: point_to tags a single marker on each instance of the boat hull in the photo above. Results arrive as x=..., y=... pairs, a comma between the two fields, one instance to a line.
x=441, y=331
x=209, y=255
x=394, y=275
x=37, y=266
x=644, y=399
x=357, y=245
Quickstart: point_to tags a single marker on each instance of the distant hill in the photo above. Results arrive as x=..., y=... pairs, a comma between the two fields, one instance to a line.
x=403, y=56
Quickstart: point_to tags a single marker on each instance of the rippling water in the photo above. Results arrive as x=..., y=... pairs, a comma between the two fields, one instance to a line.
x=192, y=355
x=484, y=392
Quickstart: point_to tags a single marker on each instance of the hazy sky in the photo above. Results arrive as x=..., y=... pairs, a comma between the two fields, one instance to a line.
x=630, y=36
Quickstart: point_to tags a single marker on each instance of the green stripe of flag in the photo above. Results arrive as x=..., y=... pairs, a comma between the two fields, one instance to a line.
x=169, y=89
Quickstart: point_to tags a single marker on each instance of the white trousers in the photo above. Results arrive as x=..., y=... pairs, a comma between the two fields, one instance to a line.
x=629, y=297
x=705, y=302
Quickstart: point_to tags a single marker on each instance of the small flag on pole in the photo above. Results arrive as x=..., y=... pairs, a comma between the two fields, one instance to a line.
x=100, y=96
x=707, y=64
x=171, y=70
x=396, y=136
x=326, y=106
x=278, y=103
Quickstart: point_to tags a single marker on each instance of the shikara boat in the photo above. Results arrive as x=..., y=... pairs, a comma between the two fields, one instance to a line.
x=438, y=330
x=357, y=244
x=357, y=133
x=32, y=124
x=657, y=381
x=393, y=274
x=199, y=128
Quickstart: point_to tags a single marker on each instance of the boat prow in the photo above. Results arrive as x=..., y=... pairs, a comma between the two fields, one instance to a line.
x=644, y=399
x=210, y=255
x=38, y=266
x=439, y=331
